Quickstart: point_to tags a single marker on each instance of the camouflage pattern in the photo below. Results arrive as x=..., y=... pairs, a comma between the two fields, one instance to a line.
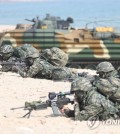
x=10, y=67
x=7, y=55
x=22, y=51
x=63, y=73
x=105, y=67
x=83, y=45
x=32, y=54
x=37, y=67
x=110, y=88
x=6, y=51
x=109, y=83
x=12, y=61
x=80, y=83
x=88, y=76
x=40, y=69
x=55, y=56
x=90, y=103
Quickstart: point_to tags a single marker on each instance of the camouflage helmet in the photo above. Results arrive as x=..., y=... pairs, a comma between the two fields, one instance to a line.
x=59, y=57
x=81, y=84
x=26, y=46
x=104, y=67
x=32, y=55
x=55, y=56
x=32, y=52
x=6, y=49
x=61, y=73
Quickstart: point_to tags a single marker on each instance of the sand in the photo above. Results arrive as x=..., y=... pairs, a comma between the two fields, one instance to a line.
x=4, y=28
x=15, y=90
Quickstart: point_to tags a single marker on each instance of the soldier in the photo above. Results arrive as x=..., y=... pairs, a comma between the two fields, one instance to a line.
x=36, y=21
x=109, y=82
x=6, y=51
x=37, y=67
x=106, y=69
x=55, y=56
x=89, y=103
x=9, y=61
x=22, y=51
x=7, y=55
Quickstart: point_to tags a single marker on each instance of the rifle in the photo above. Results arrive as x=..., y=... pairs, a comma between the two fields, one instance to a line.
x=56, y=101
x=12, y=63
x=18, y=64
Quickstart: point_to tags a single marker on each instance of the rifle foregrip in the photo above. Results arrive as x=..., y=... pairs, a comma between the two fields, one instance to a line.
x=63, y=101
x=42, y=105
x=36, y=105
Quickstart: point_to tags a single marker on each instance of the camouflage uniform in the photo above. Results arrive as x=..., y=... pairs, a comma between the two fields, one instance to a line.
x=38, y=67
x=63, y=73
x=106, y=69
x=90, y=103
x=109, y=83
x=23, y=50
x=55, y=56
x=7, y=56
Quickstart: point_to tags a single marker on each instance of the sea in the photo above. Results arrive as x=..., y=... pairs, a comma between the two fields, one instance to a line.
x=84, y=12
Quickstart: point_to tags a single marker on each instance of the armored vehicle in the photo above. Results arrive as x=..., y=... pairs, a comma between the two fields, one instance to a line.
x=86, y=46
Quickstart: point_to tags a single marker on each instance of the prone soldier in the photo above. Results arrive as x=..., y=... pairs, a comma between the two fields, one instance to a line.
x=56, y=101
x=90, y=103
x=109, y=82
x=37, y=67
x=9, y=61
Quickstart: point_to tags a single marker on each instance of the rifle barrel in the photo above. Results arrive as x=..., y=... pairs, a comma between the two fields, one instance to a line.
x=12, y=63
x=16, y=108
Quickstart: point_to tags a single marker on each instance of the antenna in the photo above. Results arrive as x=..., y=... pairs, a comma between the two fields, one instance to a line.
x=89, y=21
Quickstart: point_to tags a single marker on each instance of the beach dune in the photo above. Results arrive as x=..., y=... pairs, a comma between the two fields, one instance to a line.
x=4, y=28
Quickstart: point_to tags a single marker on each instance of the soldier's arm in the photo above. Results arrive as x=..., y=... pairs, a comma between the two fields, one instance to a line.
x=8, y=67
x=33, y=70
x=88, y=112
x=65, y=110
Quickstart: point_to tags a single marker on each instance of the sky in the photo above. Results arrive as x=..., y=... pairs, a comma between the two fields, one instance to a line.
x=81, y=10
x=88, y=1
x=60, y=0
x=25, y=0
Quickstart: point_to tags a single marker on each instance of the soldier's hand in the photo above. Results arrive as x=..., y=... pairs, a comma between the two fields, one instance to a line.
x=22, y=73
x=67, y=112
x=15, y=68
x=65, y=107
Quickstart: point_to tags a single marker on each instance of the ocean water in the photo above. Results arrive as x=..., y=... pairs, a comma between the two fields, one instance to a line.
x=101, y=12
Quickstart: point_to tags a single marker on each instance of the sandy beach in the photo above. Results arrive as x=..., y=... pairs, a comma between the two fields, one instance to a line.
x=4, y=28
x=15, y=90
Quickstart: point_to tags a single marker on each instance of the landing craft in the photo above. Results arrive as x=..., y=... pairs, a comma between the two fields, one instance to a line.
x=86, y=47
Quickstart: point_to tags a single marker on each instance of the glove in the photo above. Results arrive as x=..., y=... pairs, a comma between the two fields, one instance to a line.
x=23, y=74
x=15, y=68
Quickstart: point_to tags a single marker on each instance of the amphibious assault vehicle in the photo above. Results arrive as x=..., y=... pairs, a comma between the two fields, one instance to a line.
x=86, y=47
